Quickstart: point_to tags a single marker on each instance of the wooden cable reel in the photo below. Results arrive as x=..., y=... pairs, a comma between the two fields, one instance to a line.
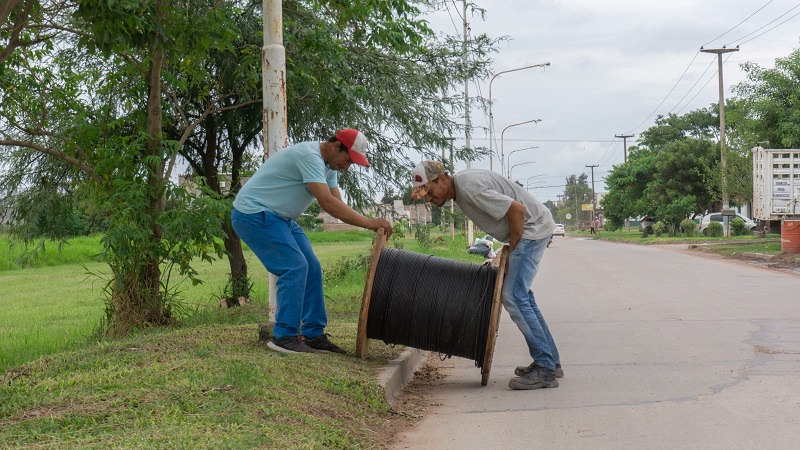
x=363, y=342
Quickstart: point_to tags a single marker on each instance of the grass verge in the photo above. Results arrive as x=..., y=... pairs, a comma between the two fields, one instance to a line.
x=207, y=384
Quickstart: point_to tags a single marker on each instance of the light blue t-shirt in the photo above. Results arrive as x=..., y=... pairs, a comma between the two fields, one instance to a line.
x=279, y=185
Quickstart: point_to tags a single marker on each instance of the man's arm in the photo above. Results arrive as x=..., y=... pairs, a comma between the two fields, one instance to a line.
x=330, y=200
x=516, y=222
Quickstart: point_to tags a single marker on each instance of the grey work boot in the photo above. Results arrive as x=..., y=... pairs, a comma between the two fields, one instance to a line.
x=522, y=370
x=538, y=378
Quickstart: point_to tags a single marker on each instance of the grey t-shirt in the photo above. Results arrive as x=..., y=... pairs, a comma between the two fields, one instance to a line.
x=485, y=197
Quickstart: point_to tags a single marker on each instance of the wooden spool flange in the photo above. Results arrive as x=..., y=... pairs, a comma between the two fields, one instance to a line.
x=494, y=317
x=362, y=341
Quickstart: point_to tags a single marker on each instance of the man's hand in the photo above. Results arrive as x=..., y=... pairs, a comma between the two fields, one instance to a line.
x=376, y=224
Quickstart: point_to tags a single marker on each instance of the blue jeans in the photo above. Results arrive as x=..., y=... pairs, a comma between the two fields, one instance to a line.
x=284, y=249
x=518, y=299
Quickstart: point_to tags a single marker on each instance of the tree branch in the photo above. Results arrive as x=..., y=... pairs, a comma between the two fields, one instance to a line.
x=188, y=130
x=85, y=168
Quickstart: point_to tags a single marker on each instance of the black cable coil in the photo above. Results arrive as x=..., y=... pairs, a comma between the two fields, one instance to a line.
x=431, y=303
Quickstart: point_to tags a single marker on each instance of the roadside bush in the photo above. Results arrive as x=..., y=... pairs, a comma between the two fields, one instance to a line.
x=688, y=227
x=714, y=229
x=658, y=228
x=422, y=233
x=738, y=228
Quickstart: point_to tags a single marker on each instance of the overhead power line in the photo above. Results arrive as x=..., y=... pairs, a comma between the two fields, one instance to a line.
x=737, y=25
x=740, y=41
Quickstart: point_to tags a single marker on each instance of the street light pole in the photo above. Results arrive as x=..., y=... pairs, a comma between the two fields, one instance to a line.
x=502, y=154
x=508, y=158
x=491, y=117
x=519, y=164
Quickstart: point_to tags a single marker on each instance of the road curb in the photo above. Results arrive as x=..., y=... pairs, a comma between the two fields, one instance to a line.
x=400, y=371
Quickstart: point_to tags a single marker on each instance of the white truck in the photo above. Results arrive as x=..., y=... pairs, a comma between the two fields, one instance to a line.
x=776, y=186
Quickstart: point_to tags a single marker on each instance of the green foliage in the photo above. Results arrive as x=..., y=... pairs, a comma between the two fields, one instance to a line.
x=387, y=74
x=714, y=229
x=658, y=228
x=237, y=290
x=336, y=272
x=771, y=101
x=310, y=219
x=738, y=227
x=688, y=227
x=139, y=291
x=576, y=192
x=398, y=233
x=422, y=233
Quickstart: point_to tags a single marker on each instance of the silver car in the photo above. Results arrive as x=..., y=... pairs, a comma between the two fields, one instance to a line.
x=717, y=217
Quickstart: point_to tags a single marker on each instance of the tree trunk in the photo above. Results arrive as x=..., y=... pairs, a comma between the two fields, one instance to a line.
x=138, y=302
x=240, y=283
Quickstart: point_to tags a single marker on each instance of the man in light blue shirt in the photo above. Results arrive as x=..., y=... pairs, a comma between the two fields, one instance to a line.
x=264, y=217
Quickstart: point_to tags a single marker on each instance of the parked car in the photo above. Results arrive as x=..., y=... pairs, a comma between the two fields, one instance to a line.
x=646, y=224
x=717, y=217
x=559, y=230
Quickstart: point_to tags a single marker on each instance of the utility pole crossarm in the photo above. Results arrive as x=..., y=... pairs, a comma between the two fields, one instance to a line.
x=624, y=138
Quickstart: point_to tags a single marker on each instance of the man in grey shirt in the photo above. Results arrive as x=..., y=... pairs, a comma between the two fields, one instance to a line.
x=510, y=214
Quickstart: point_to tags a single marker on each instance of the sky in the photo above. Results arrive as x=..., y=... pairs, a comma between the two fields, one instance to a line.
x=615, y=65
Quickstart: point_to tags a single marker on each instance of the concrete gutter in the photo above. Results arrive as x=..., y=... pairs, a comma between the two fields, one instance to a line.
x=400, y=371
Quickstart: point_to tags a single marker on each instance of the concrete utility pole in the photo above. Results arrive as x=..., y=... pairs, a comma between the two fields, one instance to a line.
x=624, y=138
x=273, y=93
x=722, y=158
x=594, y=196
x=470, y=230
x=451, y=168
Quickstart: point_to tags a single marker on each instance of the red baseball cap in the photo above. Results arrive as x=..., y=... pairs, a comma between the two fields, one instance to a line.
x=356, y=144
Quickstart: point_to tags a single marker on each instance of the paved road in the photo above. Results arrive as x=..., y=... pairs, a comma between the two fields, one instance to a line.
x=662, y=349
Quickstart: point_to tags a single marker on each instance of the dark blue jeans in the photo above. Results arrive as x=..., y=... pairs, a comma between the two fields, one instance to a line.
x=284, y=249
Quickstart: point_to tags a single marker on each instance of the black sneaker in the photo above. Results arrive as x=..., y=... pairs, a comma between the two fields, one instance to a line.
x=537, y=378
x=290, y=344
x=322, y=344
x=522, y=370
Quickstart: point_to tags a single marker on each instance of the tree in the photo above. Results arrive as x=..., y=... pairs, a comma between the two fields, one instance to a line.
x=95, y=103
x=117, y=91
x=627, y=184
x=681, y=182
x=576, y=192
x=673, y=172
x=772, y=98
